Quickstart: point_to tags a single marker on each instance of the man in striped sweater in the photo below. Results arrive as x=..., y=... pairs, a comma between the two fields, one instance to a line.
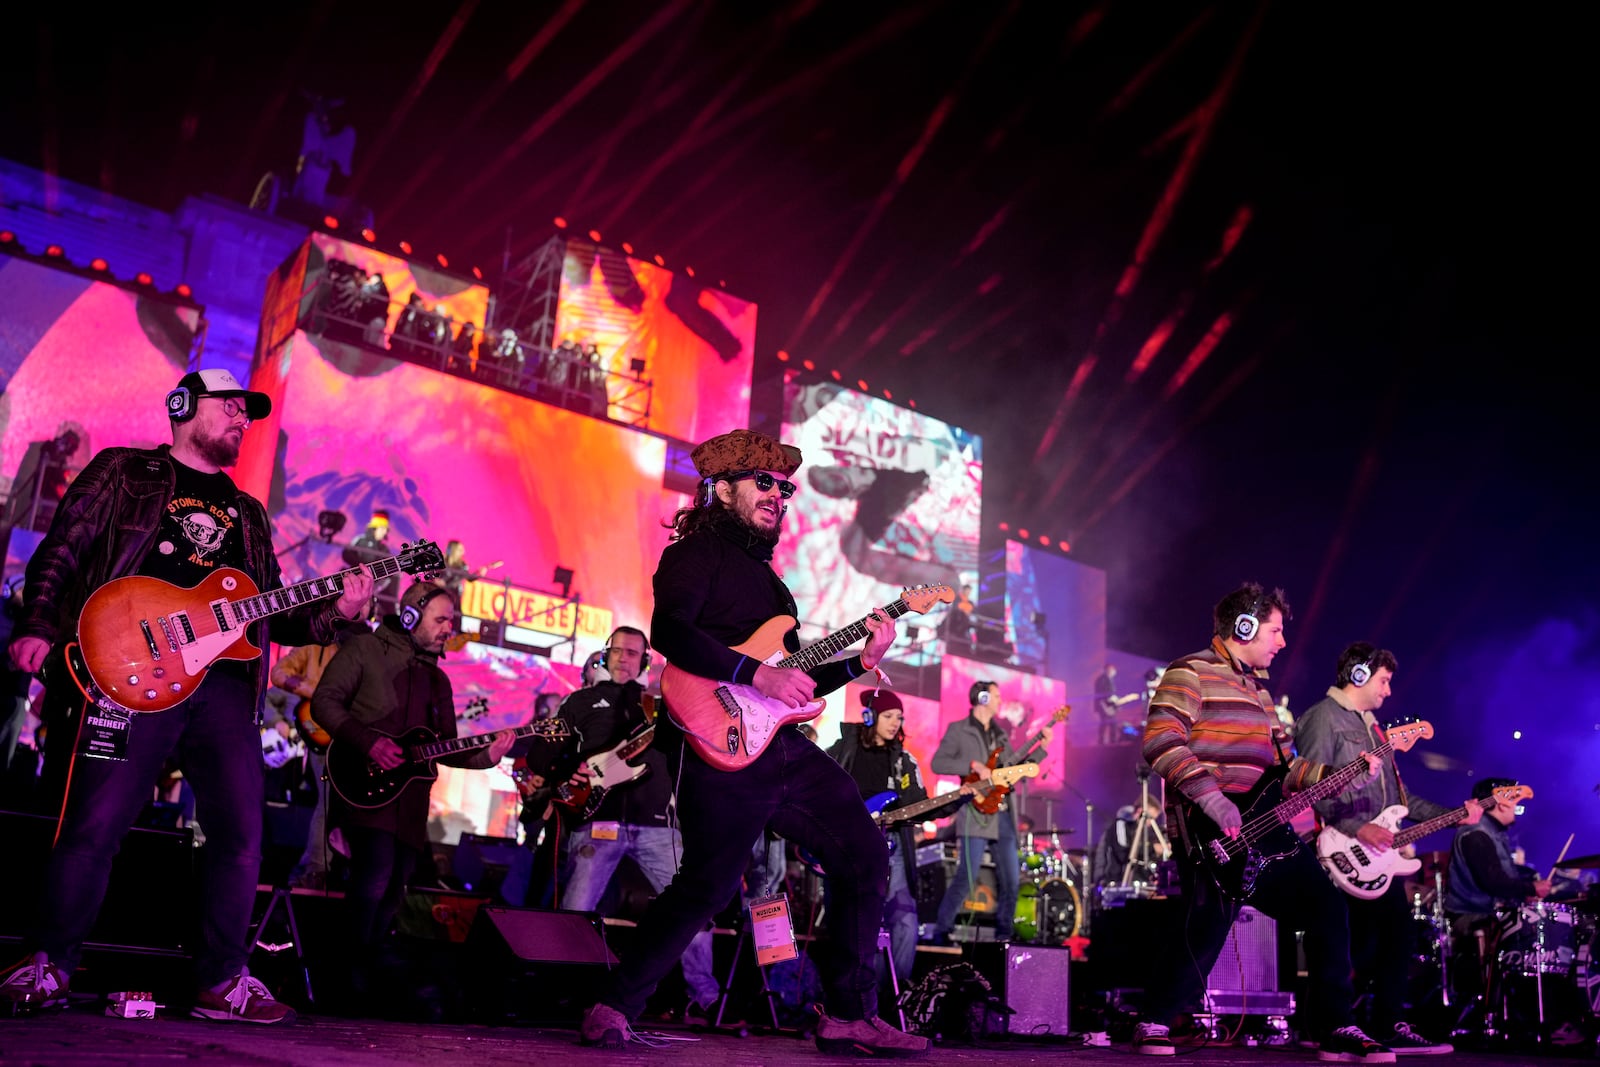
x=1210, y=734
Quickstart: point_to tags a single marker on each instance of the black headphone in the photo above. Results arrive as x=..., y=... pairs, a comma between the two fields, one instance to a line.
x=1246, y=624
x=411, y=614
x=979, y=693
x=180, y=404
x=869, y=714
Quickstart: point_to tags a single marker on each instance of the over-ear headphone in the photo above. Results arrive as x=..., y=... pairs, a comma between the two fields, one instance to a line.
x=869, y=715
x=1246, y=624
x=1359, y=673
x=644, y=657
x=979, y=693
x=180, y=405
x=411, y=614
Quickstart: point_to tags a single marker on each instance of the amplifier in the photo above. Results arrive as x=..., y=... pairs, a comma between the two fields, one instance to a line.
x=1249, y=959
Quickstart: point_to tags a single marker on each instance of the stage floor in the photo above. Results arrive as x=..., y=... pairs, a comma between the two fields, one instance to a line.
x=81, y=1035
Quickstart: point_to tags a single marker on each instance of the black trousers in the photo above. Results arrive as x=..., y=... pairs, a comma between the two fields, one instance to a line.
x=1382, y=943
x=799, y=793
x=1293, y=890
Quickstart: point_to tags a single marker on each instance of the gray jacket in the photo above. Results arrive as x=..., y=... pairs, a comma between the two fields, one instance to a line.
x=963, y=742
x=1332, y=734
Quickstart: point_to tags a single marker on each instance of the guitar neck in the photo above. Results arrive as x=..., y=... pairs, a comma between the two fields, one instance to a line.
x=836, y=642
x=1423, y=829
x=1331, y=785
x=911, y=811
x=289, y=597
x=435, y=749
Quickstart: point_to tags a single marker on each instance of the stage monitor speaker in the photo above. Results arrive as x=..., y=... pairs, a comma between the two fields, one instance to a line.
x=1249, y=960
x=1037, y=990
x=149, y=905
x=480, y=861
x=546, y=936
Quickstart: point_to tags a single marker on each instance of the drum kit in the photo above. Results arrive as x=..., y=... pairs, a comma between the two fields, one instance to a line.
x=1537, y=969
x=1049, y=909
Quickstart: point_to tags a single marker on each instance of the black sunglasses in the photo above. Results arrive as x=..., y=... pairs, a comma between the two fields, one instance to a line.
x=764, y=482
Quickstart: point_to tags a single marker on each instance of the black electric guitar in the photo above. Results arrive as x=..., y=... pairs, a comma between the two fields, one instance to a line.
x=361, y=783
x=1236, y=863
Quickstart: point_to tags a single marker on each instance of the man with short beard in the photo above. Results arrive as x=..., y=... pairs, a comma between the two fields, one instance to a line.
x=714, y=588
x=168, y=513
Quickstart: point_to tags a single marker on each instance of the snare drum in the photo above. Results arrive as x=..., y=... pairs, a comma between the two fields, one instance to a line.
x=1539, y=938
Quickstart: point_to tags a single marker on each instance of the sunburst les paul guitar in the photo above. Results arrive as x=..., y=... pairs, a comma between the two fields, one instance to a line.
x=729, y=725
x=1365, y=873
x=146, y=645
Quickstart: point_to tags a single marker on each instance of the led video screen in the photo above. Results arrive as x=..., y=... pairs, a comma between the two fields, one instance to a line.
x=889, y=498
x=526, y=487
x=83, y=366
x=1056, y=619
x=696, y=344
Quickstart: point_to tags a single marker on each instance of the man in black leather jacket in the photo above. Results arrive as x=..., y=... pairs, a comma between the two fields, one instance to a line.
x=173, y=515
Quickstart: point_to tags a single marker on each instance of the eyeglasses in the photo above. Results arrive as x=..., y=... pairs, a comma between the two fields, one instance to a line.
x=764, y=482
x=233, y=408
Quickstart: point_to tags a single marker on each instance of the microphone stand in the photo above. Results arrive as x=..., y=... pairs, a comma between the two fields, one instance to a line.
x=1085, y=871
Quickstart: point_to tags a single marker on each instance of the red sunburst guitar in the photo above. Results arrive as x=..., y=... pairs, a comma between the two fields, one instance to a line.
x=729, y=725
x=146, y=644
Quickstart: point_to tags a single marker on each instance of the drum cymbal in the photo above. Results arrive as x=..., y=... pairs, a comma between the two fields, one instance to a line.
x=1069, y=830
x=1586, y=862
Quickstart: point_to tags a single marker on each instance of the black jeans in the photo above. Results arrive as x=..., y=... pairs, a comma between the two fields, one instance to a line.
x=1382, y=941
x=1293, y=890
x=218, y=746
x=799, y=793
x=380, y=868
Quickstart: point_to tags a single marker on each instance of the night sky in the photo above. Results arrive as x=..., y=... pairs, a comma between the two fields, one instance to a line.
x=1230, y=292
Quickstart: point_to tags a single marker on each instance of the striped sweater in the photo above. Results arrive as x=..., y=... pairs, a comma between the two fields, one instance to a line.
x=1209, y=727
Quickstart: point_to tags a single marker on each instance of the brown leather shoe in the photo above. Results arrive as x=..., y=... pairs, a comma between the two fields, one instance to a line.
x=873, y=1036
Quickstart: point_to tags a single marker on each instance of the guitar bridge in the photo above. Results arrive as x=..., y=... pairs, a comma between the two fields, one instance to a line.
x=729, y=705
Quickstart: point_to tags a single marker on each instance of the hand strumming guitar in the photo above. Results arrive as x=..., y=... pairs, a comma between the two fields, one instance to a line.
x=789, y=684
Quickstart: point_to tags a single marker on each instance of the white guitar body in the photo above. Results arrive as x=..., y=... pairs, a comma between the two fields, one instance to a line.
x=608, y=769
x=1357, y=869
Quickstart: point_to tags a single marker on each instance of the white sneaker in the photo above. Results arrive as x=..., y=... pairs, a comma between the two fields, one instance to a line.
x=1152, y=1039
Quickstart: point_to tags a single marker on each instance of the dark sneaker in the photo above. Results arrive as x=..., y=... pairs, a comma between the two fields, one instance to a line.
x=35, y=987
x=1407, y=1042
x=1349, y=1045
x=871, y=1036
x=243, y=1000
x=1152, y=1039
x=605, y=1026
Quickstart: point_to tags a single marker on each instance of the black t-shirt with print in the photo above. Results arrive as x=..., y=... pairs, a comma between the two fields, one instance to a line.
x=199, y=530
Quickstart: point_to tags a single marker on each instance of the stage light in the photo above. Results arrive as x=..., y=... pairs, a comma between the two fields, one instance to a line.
x=636, y=365
x=445, y=263
x=1043, y=540
x=912, y=404
x=594, y=235
x=405, y=246
x=369, y=235
x=1022, y=533
x=478, y=274
x=888, y=395
x=143, y=278
x=560, y=222
x=659, y=261
x=1065, y=547
x=330, y=222
x=627, y=249
x=54, y=252
x=184, y=291
x=1516, y=735
x=783, y=357
x=1005, y=527
x=7, y=237
x=99, y=264
x=836, y=376
x=861, y=384
x=689, y=271
x=721, y=284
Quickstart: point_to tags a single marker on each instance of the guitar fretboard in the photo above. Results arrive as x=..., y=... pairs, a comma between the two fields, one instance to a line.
x=292, y=596
x=546, y=728
x=836, y=642
x=1423, y=829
